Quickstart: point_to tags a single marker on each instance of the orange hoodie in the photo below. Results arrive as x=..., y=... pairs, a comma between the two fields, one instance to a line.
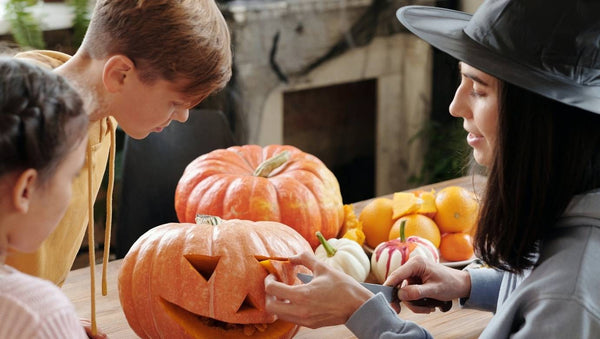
x=54, y=259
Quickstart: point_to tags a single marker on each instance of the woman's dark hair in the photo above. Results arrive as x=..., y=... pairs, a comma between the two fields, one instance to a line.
x=41, y=118
x=546, y=152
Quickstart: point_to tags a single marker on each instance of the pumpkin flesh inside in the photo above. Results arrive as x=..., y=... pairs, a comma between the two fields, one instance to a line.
x=203, y=327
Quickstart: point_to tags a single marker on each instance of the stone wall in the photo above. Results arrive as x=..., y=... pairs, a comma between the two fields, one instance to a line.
x=276, y=45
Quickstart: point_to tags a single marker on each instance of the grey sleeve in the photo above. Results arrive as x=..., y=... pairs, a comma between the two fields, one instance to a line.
x=485, y=287
x=376, y=319
x=548, y=317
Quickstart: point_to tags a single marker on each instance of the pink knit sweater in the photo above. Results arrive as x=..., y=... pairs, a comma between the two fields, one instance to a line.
x=34, y=308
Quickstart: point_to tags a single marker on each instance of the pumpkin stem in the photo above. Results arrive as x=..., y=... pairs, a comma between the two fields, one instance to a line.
x=208, y=219
x=402, y=226
x=269, y=165
x=326, y=245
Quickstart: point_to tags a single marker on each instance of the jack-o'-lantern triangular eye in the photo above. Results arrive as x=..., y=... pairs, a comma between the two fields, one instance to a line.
x=205, y=265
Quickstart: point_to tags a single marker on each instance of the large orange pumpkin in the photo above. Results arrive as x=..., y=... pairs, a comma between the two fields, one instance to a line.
x=278, y=183
x=205, y=281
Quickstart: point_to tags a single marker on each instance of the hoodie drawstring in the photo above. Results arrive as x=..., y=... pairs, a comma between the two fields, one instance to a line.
x=107, y=231
x=109, y=196
x=91, y=242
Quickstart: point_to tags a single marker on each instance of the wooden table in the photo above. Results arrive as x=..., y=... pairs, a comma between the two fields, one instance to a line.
x=456, y=323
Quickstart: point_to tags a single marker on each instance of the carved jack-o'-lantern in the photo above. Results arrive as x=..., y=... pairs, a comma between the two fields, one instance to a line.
x=206, y=281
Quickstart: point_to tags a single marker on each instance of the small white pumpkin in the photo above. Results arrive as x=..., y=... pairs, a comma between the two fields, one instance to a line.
x=345, y=255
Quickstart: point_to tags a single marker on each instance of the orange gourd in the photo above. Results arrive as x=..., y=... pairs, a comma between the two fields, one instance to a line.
x=206, y=281
x=292, y=187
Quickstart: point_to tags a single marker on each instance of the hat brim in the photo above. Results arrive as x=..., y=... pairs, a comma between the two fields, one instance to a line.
x=444, y=29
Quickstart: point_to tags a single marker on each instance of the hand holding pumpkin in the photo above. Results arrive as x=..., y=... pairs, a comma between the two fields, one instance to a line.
x=329, y=299
x=391, y=254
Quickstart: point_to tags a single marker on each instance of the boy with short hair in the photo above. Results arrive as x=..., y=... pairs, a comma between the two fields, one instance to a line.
x=142, y=64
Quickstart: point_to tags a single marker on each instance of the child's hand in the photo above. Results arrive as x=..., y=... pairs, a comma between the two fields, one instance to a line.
x=87, y=325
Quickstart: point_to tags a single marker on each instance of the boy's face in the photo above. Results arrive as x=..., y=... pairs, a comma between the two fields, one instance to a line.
x=144, y=108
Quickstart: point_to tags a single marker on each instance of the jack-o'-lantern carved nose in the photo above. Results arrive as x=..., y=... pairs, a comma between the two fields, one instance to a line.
x=248, y=304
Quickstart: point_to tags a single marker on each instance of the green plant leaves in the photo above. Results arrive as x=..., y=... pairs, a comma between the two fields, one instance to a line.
x=24, y=27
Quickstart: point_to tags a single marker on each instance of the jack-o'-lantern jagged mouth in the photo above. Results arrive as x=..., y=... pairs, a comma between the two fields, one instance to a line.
x=194, y=323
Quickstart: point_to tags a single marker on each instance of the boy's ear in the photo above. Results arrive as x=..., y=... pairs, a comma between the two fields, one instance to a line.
x=116, y=69
x=24, y=190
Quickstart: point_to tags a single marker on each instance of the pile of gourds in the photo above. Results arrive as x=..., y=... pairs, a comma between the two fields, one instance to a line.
x=347, y=254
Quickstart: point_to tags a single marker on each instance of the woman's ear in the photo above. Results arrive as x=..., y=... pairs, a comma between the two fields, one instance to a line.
x=24, y=190
x=116, y=69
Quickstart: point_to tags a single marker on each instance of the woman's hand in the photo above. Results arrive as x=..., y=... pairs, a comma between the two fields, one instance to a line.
x=87, y=325
x=329, y=299
x=419, y=278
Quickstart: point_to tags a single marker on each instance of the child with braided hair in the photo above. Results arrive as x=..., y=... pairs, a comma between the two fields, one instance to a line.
x=43, y=135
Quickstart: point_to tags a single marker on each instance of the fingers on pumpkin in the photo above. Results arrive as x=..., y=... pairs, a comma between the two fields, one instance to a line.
x=275, y=267
x=305, y=258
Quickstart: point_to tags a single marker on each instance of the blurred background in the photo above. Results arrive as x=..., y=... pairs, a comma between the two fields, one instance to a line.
x=340, y=79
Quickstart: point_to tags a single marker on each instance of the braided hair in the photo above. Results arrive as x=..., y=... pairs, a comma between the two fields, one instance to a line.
x=41, y=118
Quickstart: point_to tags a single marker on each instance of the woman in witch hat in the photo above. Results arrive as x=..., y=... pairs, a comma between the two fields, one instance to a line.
x=529, y=98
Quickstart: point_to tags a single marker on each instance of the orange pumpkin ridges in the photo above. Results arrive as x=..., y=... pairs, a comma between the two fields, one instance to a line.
x=206, y=281
x=301, y=193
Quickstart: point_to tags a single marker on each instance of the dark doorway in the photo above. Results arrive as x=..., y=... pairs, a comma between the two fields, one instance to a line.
x=337, y=124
